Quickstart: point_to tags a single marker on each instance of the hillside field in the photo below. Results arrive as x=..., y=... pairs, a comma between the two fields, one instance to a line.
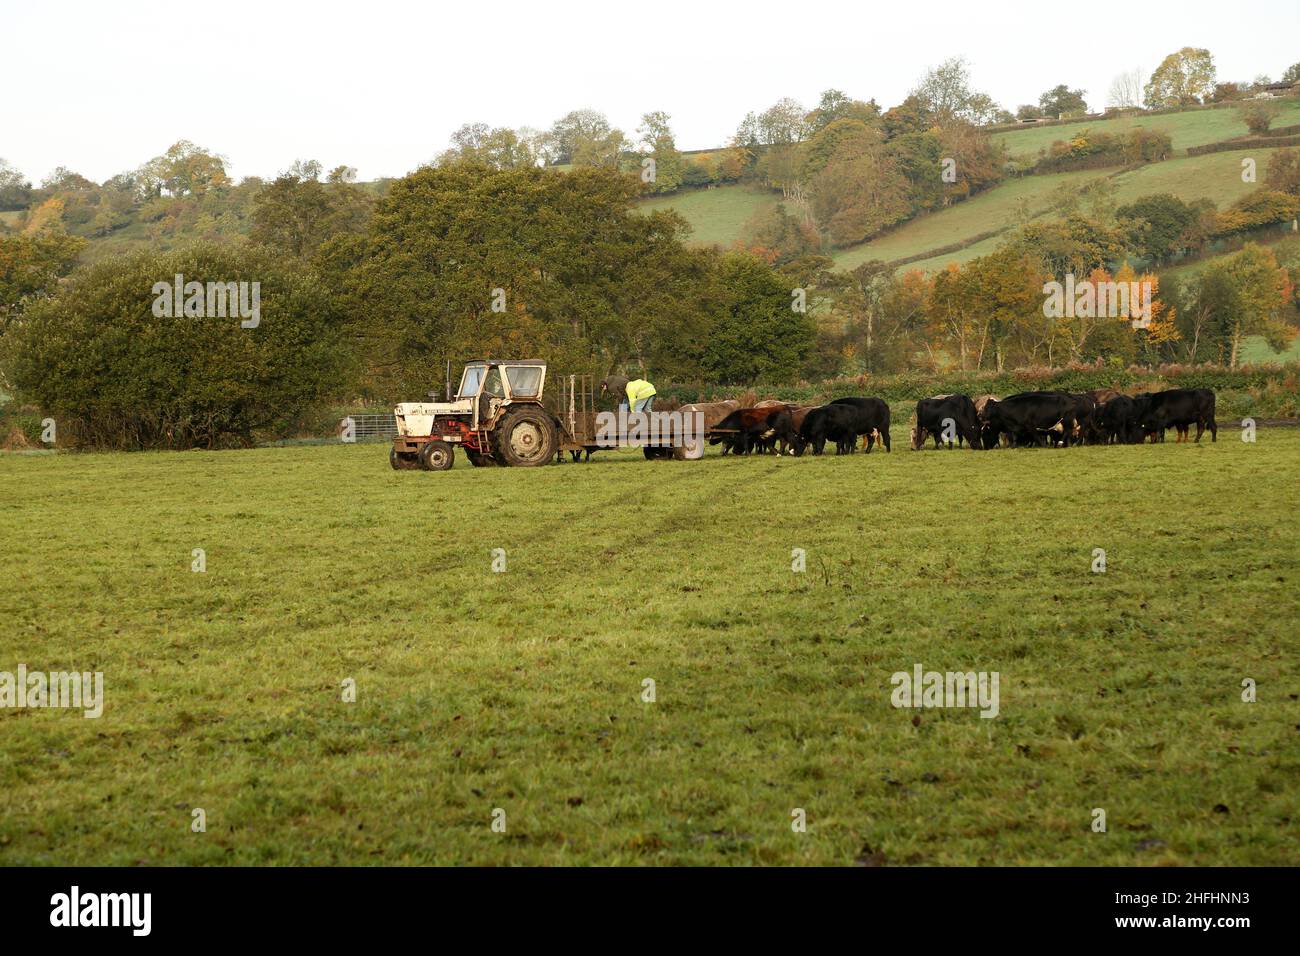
x=1190, y=128
x=717, y=216
x=523, y=690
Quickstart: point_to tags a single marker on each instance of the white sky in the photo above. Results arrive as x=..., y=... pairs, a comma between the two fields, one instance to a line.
x=102, y=86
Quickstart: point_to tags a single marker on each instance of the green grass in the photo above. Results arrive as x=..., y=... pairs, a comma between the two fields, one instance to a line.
x=993, y=209
x=1255, y=351
x=717, y=216
x=1190, y=128
x=521, y=690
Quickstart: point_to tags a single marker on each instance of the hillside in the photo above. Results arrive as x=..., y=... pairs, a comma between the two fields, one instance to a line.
x=969, y=229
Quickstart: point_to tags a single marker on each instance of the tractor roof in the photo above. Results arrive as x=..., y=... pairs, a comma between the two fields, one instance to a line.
x=506, y=362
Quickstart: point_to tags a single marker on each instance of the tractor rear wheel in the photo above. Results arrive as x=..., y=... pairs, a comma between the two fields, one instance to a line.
x=437, y=456
x=478, y=459
x=526, y=437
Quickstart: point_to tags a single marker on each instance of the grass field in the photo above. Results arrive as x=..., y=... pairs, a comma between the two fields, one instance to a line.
x=717, y=216
x=523, y=690
x=1190, y=128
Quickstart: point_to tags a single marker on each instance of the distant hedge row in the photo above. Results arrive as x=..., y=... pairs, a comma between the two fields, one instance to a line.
x=910, y=386
x=1254, y=142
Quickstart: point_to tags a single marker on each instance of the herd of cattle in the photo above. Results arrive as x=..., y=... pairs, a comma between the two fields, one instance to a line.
x=1102, y=417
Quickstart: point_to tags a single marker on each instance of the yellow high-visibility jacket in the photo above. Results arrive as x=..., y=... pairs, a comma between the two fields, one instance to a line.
x=638, y=389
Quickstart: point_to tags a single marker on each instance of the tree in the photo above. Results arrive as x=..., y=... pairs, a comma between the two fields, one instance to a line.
x=758, y=337
x=15, y=188
x=1159, y=226
x=1074, y=245
x=835, y=105
x=1125, y=90
x=1251, y=291
x=856, y=196
x=1284, y=171
x=777, y=237
x=1181, y=79
x=31, y=266
x=573, y=129
x=910, y=116
x=1061, y=101
x=1259, y=115
x=946, y=93
x=296, y=212
x=502, y=148
x=1027, y=111
x=64, y=180
x=783, y=123
x=115, y=374
x=1292, y=74
x=587, y=279
x=657, y=143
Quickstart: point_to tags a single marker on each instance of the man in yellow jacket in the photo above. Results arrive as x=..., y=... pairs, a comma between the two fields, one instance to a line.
x=640, y=394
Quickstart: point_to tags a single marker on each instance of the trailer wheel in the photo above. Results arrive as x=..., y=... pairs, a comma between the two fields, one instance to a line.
x=526, y=437
x=401, y=462
x=437, y=456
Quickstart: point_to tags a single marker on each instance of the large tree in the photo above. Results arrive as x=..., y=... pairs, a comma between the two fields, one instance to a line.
x=1181, y=79
x=297, y=212
x=584, y=278
x=1060, y=100
x=945, y=92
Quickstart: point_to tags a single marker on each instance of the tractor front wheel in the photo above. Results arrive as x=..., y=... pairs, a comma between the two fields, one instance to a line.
x=401, y=462
x=437, y=456
x=526, y=437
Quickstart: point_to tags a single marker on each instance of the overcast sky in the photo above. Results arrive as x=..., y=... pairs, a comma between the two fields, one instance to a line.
x=102, y=86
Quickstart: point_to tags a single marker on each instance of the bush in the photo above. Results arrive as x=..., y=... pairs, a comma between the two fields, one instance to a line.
x=1256, y=210
x=1091, y=150
x=98, y=360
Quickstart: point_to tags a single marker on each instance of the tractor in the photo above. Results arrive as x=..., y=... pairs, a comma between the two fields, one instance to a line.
x=497, y=418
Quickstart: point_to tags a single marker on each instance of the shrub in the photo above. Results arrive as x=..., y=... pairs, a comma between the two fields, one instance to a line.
x=112, y=374
x=1091, y=150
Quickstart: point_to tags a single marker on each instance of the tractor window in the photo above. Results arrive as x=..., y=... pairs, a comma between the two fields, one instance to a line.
x=493, y=385
x=525, y=380
x=472, y=380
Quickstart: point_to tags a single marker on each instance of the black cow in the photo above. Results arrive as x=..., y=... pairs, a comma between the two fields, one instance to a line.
x=872, y=419
x=933, y=414
x=1084, y=414
x=1028, y=418
x=837, y=423
x=1117, y=422
x=1178, y=408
